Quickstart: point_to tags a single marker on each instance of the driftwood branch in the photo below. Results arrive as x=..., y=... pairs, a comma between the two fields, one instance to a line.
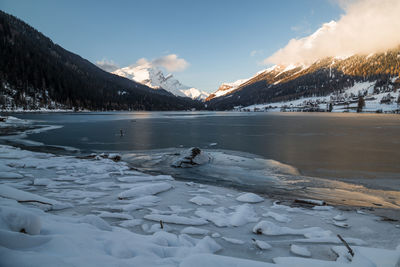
x=37, y=201
x=347, y=245
x=310, y=202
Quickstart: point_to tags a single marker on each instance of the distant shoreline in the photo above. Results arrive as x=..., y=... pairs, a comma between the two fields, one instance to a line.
x=233, y=111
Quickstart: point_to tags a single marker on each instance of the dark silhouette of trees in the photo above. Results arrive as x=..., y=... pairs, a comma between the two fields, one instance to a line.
x=360, y=104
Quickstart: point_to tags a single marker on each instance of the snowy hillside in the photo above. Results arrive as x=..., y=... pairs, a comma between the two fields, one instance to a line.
x=379, y=100
x=155, y=78
x=229, y=88
x=322, y=78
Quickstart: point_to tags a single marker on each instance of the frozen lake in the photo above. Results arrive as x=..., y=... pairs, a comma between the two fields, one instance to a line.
x=322, y=145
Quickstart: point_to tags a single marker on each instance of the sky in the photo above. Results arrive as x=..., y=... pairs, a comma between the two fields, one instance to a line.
x=203, y=43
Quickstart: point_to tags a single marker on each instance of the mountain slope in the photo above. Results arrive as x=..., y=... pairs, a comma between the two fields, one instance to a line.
x=324, y=77
x=35, y=72
x=226, y=88
x=153, y=77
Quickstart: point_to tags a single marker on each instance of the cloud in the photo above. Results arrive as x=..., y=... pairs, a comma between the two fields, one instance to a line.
x=368, y=26
x=171, y=63
x=107, y=65
x=256, y=53
x=143, y=61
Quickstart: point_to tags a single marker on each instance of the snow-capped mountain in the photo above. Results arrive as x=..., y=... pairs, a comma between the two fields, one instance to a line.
x=195, y=93
x=155, y=78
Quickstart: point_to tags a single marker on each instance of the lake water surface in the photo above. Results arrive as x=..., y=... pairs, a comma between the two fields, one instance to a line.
x=317, y=144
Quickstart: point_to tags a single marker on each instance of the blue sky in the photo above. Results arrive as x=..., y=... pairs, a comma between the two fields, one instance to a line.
x=221, y=40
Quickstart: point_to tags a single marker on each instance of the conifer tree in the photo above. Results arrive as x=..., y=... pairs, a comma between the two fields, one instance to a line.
x=361, y=104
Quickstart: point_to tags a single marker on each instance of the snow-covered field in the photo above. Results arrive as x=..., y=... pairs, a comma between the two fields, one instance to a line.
x=68, y=211
x=372, y=101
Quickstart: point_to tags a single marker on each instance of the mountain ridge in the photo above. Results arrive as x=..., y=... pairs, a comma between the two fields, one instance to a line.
x=323, y=77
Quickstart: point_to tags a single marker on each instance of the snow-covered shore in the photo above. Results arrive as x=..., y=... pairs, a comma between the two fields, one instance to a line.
x=97, y=212
x=40, y=110
x=64, y=210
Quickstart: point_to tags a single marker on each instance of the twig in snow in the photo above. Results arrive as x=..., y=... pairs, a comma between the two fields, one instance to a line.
x=41, y=202
x=310, y=202
x=347, y=245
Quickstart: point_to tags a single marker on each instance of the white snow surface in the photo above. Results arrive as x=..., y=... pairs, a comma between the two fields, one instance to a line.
x=277, y=216
x=175, y=219
x=194, y=231
x=18, y=220
x=97, y=228
x=145, y=189
x=199, y=200
x=250, y=198
x=299, y=250
x=233, y=240
x=240, y=216
x=262, y=244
